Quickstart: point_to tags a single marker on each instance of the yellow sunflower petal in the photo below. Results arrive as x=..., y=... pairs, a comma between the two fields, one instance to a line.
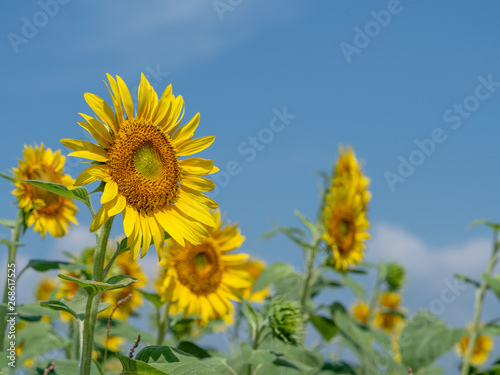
x=128, y=104
x=196, y=165
x=110, y=191
x=102, y=110
x=198, y=183
x=187, y=131
x=192, y=146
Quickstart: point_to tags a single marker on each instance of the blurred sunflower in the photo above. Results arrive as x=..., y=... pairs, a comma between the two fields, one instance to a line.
x=137, y=158
x=348, y=172
x=361, y=311
x=124, y=266
x=201, y=280
x=388, y=320
x=45, y=288
x=254, y=268
x=482, y=348
x=46, y=211
x=344, y=212
x=346, y=227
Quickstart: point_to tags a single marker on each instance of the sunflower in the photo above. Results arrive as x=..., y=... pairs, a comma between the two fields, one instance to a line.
x=344, y=211
x=482, y=348
x=137, y=159
x=348, y=173
x=45, y=288
x=361, y=311
x=346, y=227
x=124, y=266
x=254, y=267
x=388, y=320
x=46, y=211
x=201, y=280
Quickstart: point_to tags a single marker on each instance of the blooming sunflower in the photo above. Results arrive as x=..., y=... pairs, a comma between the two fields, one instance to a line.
x=388, y=320
x=47, y=211
x=361, y=311
x=346, y=227
x=137, y=158
x=124, y=266
x=482, y=348
x=201, y=280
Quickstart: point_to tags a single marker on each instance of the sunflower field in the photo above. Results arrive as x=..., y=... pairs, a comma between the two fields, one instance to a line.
x=145, y=174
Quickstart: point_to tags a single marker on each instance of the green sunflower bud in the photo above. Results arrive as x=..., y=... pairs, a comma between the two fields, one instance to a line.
x=286, y=320
x=396, y=276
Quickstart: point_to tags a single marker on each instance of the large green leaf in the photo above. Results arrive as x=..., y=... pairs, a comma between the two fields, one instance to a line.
x=493, y=283
x=34, y=312
x=271, y=274
x=154, y=298
x=325, y=326
x=164, y=360
x=425, y=338
x=123, y=329
x=79, y=193
x=93, y=287
x=41, y=265
x=75, y=307
x=38, y=339
x=193, y=349
x=65, y=367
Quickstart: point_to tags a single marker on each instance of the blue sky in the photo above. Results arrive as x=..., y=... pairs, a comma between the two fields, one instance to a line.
x=416, y=74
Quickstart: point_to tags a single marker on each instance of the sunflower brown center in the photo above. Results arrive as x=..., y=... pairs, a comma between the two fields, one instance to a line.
x=343, y=231
x=143, y=163
x=198, y=268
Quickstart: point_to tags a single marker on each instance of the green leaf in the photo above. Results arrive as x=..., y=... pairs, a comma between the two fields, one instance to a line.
x=193, y=349
x=65, y=366
x=357, y=288
x=249, y=314
x=75, y=307
x=425, y=338
x=325, y=326
x=11, y=224
x=7, y=177
x=296, y=235
x=491, y=329
x=163, y=360
x=123, y=329
x=322, y=282
x=154, y=298
x=93, y=287
x=494, y=226
x=459, y=276
x=33, y=312
x=10, y=243
x=271, y=274
x=38, y=339
x=255, y=357
x=493, y=283
x=79, y=193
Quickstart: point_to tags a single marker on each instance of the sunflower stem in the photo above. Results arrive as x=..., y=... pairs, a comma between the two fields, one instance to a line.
x=93, y=300
x=381, y=275
x=163, y=325
x=306, y=290
x=15, y=234
x=473, y=334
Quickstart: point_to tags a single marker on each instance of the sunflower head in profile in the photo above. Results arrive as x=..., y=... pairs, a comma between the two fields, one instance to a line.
x=137, y=158
x=46, y=211
x=201, y=280
x=482, y=348
x=348, y=173
x=344, y=212
x=361, y=311
x=124, y=266
x=388, y=320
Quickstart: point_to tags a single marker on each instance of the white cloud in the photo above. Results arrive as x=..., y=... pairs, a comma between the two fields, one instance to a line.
x=77, y=238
